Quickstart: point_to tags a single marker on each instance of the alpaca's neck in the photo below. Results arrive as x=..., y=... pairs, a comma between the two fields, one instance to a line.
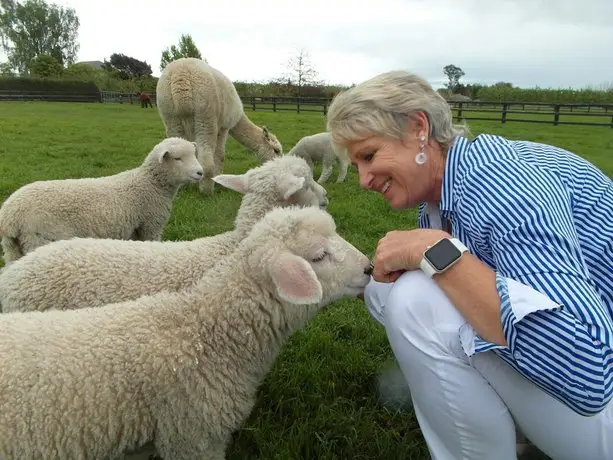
x=247, y=133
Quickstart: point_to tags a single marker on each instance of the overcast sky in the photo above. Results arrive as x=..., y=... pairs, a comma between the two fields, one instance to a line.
x=546, y=43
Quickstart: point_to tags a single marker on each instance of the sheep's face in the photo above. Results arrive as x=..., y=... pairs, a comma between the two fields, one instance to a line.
x=270, y=147
x=304, y=191
x=178, y=158
x=307, y=261
x=284, y=181
x=293, y=179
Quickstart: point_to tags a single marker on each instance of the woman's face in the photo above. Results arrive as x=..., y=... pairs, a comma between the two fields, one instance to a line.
x=388, y=166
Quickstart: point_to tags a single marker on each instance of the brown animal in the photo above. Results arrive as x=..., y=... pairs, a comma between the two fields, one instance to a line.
x=145, y=99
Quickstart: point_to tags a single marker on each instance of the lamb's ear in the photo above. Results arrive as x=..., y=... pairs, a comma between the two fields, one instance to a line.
x=237, y=182
x=266, y=132
x=289, y=184
x=294, y=279
x=164, y=156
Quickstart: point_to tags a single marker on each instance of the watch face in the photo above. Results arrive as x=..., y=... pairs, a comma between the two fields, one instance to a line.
x=442, y=254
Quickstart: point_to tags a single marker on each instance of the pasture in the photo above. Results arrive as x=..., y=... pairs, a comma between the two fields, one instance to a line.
x=322, y=398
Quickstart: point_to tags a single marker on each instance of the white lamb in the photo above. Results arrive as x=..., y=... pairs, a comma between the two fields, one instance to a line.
x=201, y=104
x=318, y=147
x=91, y=272
x=180, y=369
x=133, y=204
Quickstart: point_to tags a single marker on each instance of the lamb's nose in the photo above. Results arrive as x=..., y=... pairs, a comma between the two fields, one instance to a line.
x=368, y=270
x=199, y=173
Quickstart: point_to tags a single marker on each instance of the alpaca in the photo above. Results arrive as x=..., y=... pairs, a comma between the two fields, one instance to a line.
x=145, y=99
x=200, y=104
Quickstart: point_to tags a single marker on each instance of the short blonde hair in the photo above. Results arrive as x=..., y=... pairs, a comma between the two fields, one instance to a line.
x=382, y=106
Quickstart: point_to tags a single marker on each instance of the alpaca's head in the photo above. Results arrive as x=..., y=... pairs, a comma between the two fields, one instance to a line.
x=270, y=147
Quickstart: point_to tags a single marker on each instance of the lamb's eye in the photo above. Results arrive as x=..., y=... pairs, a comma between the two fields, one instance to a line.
x=177, y=158
x=320, y=257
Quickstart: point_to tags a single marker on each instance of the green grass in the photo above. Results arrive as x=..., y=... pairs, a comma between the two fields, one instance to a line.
x=321, y=399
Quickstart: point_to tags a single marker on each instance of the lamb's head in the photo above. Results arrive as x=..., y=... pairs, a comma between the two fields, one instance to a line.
x=284, y=181
x=176, y=157
x=298, y=254
x=269, y=146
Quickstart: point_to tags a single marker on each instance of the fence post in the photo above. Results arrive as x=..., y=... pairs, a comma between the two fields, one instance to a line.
x=459, y=116
x=253, y=103
x=556, y=114
x=274, y=103
x=505, y=107
x=325, y=108
x=298, y=104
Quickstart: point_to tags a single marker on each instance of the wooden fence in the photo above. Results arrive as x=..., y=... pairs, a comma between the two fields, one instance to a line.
x=52, y=96
x=502, y=112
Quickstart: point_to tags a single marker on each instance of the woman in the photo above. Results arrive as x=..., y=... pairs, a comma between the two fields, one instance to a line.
x=499, y=307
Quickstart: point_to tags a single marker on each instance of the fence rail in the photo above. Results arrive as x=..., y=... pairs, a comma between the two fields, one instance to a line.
x=53, y=96
x=596, y=114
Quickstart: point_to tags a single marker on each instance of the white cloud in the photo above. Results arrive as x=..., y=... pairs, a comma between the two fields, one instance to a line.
x=547, y=43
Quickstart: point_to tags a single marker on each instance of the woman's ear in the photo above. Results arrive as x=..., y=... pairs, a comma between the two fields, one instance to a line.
x=419, y=125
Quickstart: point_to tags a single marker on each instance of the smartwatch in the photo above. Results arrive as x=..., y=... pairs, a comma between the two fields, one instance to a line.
x=442, y=255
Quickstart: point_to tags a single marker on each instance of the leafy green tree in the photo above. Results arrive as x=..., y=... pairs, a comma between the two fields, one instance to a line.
x=34, y=28
x=127, y=66
x=6, y=69
x=186, y=48
x=45, y=65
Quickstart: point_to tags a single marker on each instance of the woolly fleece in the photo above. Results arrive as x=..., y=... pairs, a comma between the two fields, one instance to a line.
x=199, y=103
x=318, y=147
x=81, y=273
x=133, y=204
x=181, y=369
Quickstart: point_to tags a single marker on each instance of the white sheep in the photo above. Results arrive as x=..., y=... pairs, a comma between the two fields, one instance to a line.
x=318, y=147
x=201, y=104
x=177, y=369
x=89, y=272
x=133, y=204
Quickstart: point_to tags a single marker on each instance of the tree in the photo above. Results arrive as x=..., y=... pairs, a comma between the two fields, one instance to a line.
x=454, y=74
x=301, y=71
x=127, y=67
x=187, y=48
x=35, y=28
x=6, y=69
x=45, y=65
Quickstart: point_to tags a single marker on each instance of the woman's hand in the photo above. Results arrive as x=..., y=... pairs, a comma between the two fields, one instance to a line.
x=402, y=250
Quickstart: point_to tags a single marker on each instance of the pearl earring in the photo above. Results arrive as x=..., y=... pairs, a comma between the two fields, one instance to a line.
x=422, y=156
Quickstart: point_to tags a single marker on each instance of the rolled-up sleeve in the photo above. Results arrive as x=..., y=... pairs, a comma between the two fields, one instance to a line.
x=557, y=327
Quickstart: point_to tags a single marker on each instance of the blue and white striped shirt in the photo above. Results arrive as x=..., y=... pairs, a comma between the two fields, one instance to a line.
x=542, y=218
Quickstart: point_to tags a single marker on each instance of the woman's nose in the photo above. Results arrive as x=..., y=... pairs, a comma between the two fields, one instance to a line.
x=365, y=177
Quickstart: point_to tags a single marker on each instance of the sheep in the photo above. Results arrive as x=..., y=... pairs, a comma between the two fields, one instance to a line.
x=133, y=204
x=85, y=272
x=199, y=103
x=318, y=147
x=176, y=369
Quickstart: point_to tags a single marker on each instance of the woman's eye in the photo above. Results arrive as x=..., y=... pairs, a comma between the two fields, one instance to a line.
x=368, y=156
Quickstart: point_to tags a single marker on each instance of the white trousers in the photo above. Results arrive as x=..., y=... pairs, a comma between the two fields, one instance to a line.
x=468, y=408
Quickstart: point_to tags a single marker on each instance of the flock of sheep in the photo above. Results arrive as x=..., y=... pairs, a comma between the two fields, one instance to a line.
x=116, y=344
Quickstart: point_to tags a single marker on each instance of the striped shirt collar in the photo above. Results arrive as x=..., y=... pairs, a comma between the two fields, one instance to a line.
x=458, y=148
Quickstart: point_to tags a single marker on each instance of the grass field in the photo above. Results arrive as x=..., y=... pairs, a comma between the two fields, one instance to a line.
x=322, y=399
